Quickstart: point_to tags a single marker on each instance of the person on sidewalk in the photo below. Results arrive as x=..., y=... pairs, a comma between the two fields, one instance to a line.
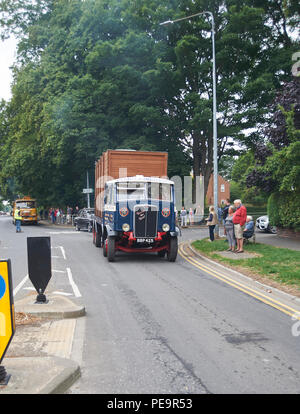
x=212, y=221
x=191, y=216
x=229, y=229
x=183, y=217
x=225, y=214
x=53, y=216
x=226, y=208
x=239, y=220
x=18, y=220
x=249, y=228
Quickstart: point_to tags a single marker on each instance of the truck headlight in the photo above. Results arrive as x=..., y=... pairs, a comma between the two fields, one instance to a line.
x=165, y=227
x=125, y=227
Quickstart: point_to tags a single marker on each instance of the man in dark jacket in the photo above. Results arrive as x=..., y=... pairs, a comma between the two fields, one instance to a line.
x=225, y=210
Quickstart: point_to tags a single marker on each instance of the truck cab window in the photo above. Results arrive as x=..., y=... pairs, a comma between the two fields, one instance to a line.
x=131, y=191
x=159, y=191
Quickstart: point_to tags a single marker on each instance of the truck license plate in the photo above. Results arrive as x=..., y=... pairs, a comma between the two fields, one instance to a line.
x=145, y=240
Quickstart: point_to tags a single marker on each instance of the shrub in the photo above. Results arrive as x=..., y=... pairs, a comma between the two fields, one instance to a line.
x=284, y=209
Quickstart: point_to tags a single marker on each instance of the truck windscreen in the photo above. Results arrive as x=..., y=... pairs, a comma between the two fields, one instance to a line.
x=131, y=191
x=159, y=191
x=25, y=204
x=144, y=191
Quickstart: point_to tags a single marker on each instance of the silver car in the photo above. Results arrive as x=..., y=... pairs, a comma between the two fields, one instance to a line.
x=262, y=223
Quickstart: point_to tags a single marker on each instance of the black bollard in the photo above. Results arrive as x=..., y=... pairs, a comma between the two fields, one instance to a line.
x=39, y=265
x=41, y=298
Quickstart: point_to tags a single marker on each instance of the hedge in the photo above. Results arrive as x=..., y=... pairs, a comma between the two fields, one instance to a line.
x=284, y=210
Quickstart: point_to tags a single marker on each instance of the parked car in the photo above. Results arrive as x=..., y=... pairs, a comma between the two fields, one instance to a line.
x=262, y=223
x=84, y=220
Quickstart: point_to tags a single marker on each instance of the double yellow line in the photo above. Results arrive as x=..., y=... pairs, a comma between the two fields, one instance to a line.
x=237, y=285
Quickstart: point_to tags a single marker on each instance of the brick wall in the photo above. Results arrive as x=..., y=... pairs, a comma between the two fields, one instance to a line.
x=223, y=190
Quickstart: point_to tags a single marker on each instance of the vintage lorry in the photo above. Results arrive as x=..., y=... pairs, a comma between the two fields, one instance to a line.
x=134, y=204
x=28, y=209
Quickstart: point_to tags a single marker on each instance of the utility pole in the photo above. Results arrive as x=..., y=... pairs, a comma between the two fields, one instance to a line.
x=88, y=187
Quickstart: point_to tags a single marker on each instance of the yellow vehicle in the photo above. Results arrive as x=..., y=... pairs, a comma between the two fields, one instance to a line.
x=28, y=210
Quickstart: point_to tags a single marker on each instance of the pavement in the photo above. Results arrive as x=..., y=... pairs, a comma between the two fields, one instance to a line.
x=267, y=238
x=48, y=223
x=277, y=241
x=39, y=358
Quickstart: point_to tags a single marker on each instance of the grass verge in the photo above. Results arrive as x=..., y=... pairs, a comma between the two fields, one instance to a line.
x=273, y=263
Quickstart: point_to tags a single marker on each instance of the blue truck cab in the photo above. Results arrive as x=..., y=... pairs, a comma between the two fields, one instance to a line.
x=139, y=216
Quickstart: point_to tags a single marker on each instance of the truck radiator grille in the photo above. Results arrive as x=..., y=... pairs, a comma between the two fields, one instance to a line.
x=145, y=221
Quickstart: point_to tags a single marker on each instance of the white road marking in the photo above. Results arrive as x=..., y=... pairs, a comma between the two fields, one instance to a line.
x=73, y=284
x=63, y=252
x=62, y=293
x=58, y=271
x=20, y=285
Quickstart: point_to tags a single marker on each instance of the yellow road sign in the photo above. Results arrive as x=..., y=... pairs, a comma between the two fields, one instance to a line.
x=7, y=314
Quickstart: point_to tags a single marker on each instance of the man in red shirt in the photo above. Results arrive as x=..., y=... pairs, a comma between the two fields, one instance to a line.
x=239, y=220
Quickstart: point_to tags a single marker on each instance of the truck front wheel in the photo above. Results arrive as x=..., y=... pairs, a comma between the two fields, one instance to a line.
x=173, y=248
x=111, y=248
x=97, y=239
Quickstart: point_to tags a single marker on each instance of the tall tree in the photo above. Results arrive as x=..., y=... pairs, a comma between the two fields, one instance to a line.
x=103, y=74
x=277, y=167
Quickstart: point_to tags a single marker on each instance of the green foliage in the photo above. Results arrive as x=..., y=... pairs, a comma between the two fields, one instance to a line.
x=278, y=166
x=241, y=166
x=284, y=210
x=235, y=190
x=273, y=209
x=238, y=187
x=101, y=74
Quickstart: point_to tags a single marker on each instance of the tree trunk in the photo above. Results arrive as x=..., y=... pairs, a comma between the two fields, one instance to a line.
x=202, y=160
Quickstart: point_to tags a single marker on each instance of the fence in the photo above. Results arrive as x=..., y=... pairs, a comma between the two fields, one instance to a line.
x=62, y=219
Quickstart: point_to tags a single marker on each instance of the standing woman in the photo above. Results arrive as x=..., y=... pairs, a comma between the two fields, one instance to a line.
x=183, y=217
x=229, y=229
x=191, y=216
x=212, y=220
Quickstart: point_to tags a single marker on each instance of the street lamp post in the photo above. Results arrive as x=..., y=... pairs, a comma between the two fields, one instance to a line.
x=215, y=142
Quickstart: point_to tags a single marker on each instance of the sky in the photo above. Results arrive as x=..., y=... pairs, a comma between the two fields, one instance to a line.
x=7, y=58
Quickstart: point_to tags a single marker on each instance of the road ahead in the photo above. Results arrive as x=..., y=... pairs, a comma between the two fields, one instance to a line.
x=159, y=327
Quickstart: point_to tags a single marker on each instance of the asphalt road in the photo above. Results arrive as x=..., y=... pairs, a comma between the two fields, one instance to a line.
x=159, y=327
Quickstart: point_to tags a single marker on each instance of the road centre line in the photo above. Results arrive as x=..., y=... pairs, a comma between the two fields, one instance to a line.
x=73, y=284
x=237, y=285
